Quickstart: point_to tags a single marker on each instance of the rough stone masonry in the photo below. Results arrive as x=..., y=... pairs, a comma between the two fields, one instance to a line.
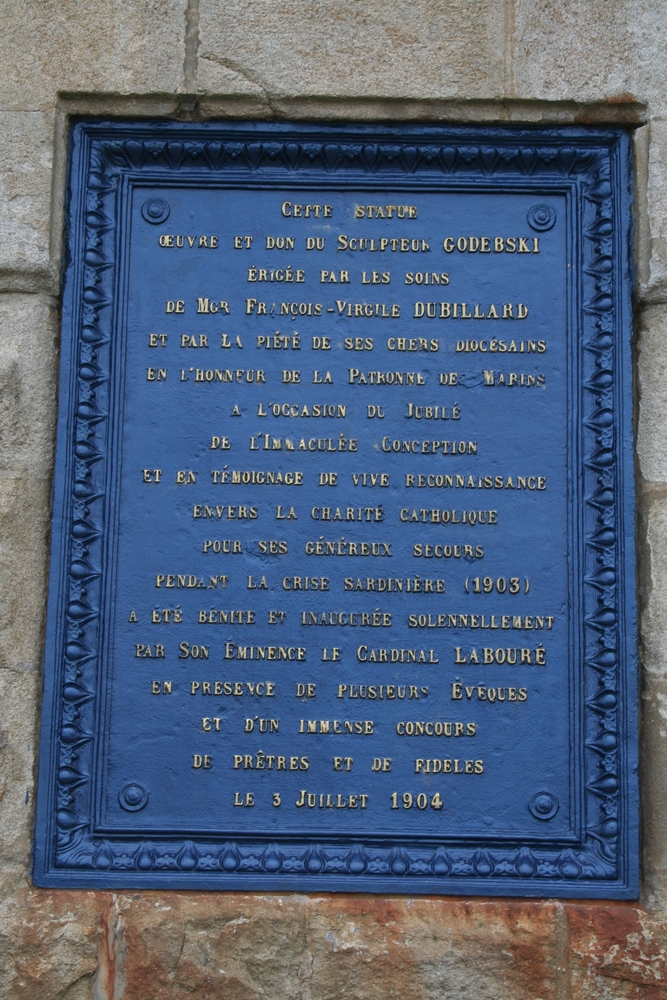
x=488, y=61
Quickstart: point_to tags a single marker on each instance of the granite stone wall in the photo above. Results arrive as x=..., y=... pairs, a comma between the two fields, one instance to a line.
x=471, y=61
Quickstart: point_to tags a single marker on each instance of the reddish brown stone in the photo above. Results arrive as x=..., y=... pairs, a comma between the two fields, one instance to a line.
x=48, y=942
x=623, y=944
x=229, y=946
x=154, y=946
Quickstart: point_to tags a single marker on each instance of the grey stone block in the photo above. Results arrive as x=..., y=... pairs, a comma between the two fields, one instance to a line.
x=652, y=371
x=28, y=375
x=590, y=50
x=28, y=378
x=24, y=534
x=19, y=697
x=26, y=160
x=405, y=49
x=654, y=698
x=47, y=951
x=49, y=47
x=655, y=288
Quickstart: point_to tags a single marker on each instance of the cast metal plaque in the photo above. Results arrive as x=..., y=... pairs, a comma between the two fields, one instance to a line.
x=342, y=588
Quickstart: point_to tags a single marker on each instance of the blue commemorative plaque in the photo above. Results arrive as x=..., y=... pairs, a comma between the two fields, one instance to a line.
x=342, y=586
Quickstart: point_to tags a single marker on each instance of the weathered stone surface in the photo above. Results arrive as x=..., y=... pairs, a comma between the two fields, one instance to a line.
x=394, y=945
x=641, y=150
x=27, y=409
x=50, y=944
x=19, y=692
x=28, y=331
x=24, y=535
x=589, y=50
x=28, y=378
x=168, y=946
x=404, y=49
x=656, y=197
x=49, y=47
x=652, y=371
x=243, y=94
x=654, y=695
x=26, y=160
x=615, y=953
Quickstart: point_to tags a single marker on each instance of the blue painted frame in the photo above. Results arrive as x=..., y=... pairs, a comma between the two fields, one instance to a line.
x=594, y=167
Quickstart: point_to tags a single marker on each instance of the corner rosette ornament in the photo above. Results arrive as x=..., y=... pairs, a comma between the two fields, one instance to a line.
x=543, y=805
x=133, y=797
x=155, y=210
x=541, y=218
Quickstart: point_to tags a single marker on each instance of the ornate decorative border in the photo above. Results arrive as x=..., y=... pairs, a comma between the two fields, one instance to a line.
x=595, y=165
